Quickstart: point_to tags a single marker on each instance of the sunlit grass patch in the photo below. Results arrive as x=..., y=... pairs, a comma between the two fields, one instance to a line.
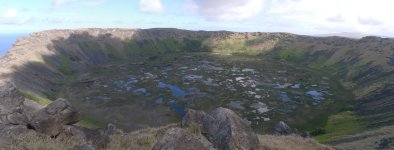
x=40, y=100
x=340, y=124
x=90, y=123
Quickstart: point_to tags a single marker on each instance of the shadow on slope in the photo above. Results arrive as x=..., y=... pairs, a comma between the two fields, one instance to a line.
x=68, y=56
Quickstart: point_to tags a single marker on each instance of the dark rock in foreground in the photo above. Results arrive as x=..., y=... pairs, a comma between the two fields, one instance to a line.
x=52, y=118
x=181, y=139
x=221, y=129
x=11, y=103
x=226, y=130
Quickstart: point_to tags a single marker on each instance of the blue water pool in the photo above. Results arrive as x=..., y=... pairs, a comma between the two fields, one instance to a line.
x=176, y=91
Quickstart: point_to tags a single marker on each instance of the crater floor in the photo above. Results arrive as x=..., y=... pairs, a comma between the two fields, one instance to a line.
x=154, y=91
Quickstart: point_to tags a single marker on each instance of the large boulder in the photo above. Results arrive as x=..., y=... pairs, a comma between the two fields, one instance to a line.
x=226, y=130
x=179, y=138
x=99, y=138
x=51, y=119
x=282, y=128
x=11, y=102
x=192, y=117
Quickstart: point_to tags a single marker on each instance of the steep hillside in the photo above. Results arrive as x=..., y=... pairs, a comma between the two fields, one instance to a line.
x=365, y=66
x=309, y=82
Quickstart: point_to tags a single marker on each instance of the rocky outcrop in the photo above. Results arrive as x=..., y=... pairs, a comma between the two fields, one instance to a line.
x=178, y=138
x=193, y=117
x=99, y=138
x=54, y=120
x=82, y=147
x=283, y=129
x=11, y=102
x=13, y=119
x=51, y=119
x=8, y=132
x=221, y=129
x=226, y=130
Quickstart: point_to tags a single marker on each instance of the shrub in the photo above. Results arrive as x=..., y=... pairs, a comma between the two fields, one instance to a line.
x=318, y=131
x=292, y=54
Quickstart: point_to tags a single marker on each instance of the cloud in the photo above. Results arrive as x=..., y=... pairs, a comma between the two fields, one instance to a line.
x=56, y=20
x=94, y=2
x=313, y=16
x=60, y=2
x=151, y=6
x=11, y=17
x=299, y=16
x=369, y=21
x=226, y=10
x=337, y=18
x=10, y=13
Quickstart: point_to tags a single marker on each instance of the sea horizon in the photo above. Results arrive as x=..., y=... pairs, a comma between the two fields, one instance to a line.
x=7, y=41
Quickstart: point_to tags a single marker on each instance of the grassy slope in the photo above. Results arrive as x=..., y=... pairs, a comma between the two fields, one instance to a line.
x=290, y=142
x=379, y=138
x=337, y=121
x=340, y=124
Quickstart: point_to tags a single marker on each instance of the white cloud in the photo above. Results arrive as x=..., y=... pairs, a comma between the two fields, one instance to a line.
x=337, y=18
x=369, y=21
x=58, y=19
x=226, y=10
x=10, y=13
x=11, y=17
x=332, y=15
x=60, y=2
x=94, y=2
x=151, y=6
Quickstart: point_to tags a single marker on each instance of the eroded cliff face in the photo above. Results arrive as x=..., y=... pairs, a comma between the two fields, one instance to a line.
x=43, y=62
x=32, y=62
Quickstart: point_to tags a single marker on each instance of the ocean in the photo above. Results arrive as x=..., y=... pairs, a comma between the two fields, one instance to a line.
x=7, y=40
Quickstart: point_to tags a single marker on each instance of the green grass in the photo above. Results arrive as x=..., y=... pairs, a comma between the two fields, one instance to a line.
x=65, y=64
x=149, y=47
x=112, y=53
x=90, y=123
x=340, y=124
x=319, y=63
x=38, y=99
x=292, y=54
x=89, y=46
x=237, y=46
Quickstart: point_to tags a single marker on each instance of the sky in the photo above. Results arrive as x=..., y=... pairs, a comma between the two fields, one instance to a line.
x=308, y=17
